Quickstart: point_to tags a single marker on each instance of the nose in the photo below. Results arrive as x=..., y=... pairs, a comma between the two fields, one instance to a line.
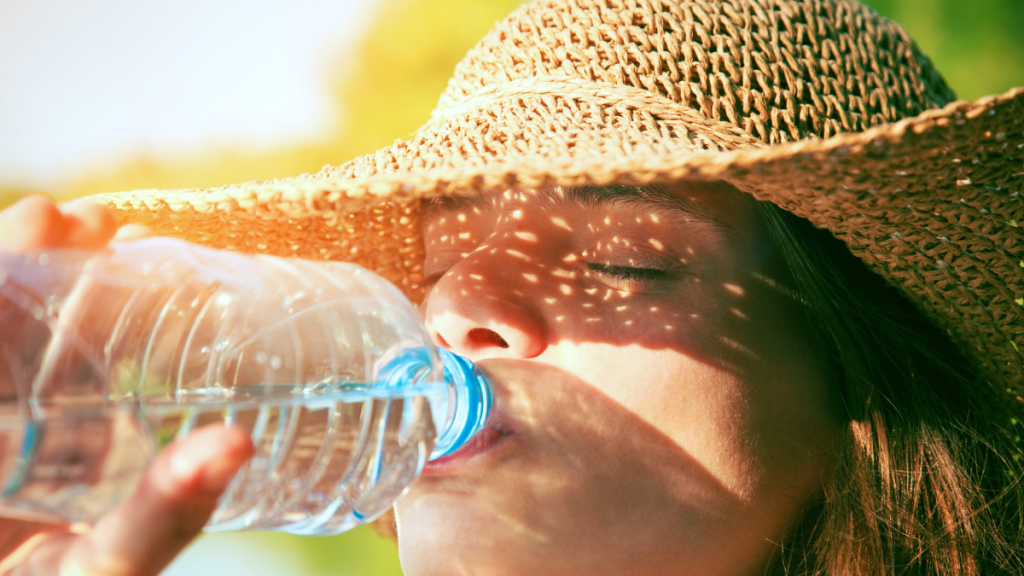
x=479, y=310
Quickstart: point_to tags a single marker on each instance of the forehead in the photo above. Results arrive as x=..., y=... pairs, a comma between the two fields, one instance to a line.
x=714, y=203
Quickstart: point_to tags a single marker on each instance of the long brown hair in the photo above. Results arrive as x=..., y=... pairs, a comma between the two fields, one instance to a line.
x=928, y=479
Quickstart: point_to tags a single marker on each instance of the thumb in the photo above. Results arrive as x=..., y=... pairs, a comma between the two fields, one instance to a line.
x=176, y=497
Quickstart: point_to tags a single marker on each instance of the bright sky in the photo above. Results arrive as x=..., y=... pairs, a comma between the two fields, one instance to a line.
x=83, y=83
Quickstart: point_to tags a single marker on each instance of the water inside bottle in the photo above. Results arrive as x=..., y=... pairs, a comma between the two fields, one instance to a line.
x=112, y=355
x=326, y=458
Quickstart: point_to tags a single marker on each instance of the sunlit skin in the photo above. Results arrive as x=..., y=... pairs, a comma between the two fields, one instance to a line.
x=661, y=404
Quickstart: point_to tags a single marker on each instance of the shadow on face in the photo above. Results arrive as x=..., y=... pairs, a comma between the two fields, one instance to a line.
x=581, y=475
x=660, y=401
x=689, y=269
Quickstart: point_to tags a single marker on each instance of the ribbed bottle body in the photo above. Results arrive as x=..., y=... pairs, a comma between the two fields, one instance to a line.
x=108, y=357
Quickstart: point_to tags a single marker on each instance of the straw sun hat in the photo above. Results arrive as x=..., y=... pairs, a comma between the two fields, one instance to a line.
x=820, y=106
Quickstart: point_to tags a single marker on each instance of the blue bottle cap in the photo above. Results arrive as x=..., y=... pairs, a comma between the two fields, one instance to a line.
x=464, y=403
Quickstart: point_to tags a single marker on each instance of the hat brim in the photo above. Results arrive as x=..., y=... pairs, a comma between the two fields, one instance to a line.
x=932, y=203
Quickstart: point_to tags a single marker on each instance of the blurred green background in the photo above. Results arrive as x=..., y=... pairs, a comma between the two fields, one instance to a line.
x=384, y=89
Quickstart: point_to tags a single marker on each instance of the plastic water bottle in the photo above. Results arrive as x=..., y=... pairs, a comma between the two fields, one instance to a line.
x=107, y=356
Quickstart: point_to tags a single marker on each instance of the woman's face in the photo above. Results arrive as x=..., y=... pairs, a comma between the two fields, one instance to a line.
x=660, y=403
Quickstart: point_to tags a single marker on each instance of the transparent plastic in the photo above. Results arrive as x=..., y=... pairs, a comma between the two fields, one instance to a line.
x=105, y=357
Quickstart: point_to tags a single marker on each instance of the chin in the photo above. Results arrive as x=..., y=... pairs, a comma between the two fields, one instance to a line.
x=443, y=534
x=438, y=534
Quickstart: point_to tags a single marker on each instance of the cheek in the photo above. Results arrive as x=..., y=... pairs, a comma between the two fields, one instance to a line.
x=753, y=433
x=795, y=409
x=703, y=409
x=595, y=488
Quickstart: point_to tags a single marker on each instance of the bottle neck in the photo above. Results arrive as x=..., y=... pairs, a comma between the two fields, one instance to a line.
x=459, y=408
x=469, y=400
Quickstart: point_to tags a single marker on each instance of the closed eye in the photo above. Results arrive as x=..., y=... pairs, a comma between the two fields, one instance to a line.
x=629, y=278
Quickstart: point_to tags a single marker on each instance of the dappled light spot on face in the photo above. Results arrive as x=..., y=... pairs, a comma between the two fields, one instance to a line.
x=518, y=254
x=775, y=286
x=737, y=346
x=657, y=244
x=531, y=277
x=733, y=289
x=738, y=313
x=565, y=289
x=527, y=236
x=561, y=223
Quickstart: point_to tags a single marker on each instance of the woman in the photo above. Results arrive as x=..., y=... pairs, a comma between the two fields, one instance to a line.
x=690, y=378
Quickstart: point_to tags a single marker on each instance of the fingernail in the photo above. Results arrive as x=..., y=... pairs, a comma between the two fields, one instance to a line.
x=188, y=461
x=205, y=461
x=132, y=232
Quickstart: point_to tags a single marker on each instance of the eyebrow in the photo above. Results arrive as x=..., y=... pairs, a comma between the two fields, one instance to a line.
x=637, y=197
x=656, y=195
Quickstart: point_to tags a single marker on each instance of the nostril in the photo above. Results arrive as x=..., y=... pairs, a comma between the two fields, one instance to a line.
x=483, y=337
x=442, y=342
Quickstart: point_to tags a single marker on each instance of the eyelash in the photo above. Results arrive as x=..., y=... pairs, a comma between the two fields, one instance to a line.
x=628, y=278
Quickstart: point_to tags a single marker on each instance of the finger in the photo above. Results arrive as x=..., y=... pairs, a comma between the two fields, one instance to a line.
x=88, y=225
x=172, y=504
x=44, y=557
x=132, y=232
x=44, y=554
x=32, y=222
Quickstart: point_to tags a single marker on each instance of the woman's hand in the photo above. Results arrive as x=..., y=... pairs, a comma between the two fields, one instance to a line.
x=36, y=222
x=140, y=537
x=180, y=488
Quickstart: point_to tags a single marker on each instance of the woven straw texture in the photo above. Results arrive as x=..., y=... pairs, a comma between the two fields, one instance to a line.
x=822, y=107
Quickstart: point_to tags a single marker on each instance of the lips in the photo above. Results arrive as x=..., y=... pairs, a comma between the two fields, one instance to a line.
x=493, y=438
